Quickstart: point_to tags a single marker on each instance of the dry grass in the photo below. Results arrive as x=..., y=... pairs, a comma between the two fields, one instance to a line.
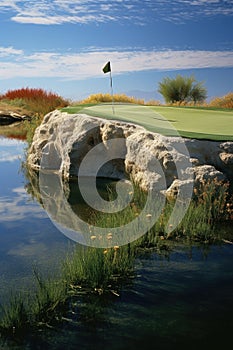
x=223, y=102
x=6, y=107
x=105, y=98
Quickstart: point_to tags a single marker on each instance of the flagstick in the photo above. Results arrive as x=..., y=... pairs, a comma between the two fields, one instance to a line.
x=107, y=69
x=113, y=111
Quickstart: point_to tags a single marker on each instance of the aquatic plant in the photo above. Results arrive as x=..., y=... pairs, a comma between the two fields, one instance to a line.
x=15, y=315
x=211, y=204
x=86, y=270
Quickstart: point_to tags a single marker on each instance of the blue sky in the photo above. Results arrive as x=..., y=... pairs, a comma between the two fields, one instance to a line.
x=62, y=45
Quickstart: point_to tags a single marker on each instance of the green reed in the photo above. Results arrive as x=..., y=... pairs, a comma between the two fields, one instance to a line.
x=86, y=270
x=211, y=204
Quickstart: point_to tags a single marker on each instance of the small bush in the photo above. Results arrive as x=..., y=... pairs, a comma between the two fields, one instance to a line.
x=182, y=89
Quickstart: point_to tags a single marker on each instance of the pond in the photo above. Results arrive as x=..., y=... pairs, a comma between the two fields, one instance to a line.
x=182, y=299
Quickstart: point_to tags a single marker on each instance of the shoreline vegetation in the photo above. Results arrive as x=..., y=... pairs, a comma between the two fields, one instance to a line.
x=96, y=272
x=99, y=272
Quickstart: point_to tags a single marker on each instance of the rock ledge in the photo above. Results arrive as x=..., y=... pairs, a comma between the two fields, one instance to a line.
x=153, y=161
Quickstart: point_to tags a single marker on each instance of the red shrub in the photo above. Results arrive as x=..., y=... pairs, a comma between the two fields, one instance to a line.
x=29, y=94
x=36, y=100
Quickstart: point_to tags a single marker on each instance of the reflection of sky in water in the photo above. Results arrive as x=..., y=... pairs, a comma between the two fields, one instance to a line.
x=14, y=201
x=10, y=149
x=17, y=206
x=27, y=237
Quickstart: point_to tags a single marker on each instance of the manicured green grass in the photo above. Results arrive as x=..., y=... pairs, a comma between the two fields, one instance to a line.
x=171, y=121
x=199, y=123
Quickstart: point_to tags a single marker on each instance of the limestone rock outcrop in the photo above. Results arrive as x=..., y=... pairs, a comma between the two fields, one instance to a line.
x=63, y=141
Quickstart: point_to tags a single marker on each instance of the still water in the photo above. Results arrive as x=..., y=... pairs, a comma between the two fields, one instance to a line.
x=181, y=301
x=27, y=236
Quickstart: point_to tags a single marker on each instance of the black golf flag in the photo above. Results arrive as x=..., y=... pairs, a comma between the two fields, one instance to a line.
x=107, y=67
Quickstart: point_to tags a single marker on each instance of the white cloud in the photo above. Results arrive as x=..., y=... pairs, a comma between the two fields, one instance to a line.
x=17, y=207
x=5, y=4
x=10, y=150
x=6, y=51
x=85, y=11
x=8, y=157
x=88, y=64
x=5, y=142
x=49, y=20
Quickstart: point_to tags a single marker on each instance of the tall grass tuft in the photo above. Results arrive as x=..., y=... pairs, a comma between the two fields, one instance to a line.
x=86, y=270
x=14, y=315
x=211, y=204
x=49, y=298
x=97, y=268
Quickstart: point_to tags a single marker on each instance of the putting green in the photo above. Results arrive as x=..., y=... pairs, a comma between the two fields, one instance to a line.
x=200, y=123
x=173, y=121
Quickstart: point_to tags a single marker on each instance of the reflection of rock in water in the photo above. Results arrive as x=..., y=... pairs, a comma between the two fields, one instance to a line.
x=62, y=202
x=77, y=202
x=52, y=193
x=15, y=130
x=8, y=117
x=62, y=205
x=71, y=192
x=32, y=187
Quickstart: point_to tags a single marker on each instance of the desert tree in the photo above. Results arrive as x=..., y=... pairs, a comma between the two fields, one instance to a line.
x=182, y=89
